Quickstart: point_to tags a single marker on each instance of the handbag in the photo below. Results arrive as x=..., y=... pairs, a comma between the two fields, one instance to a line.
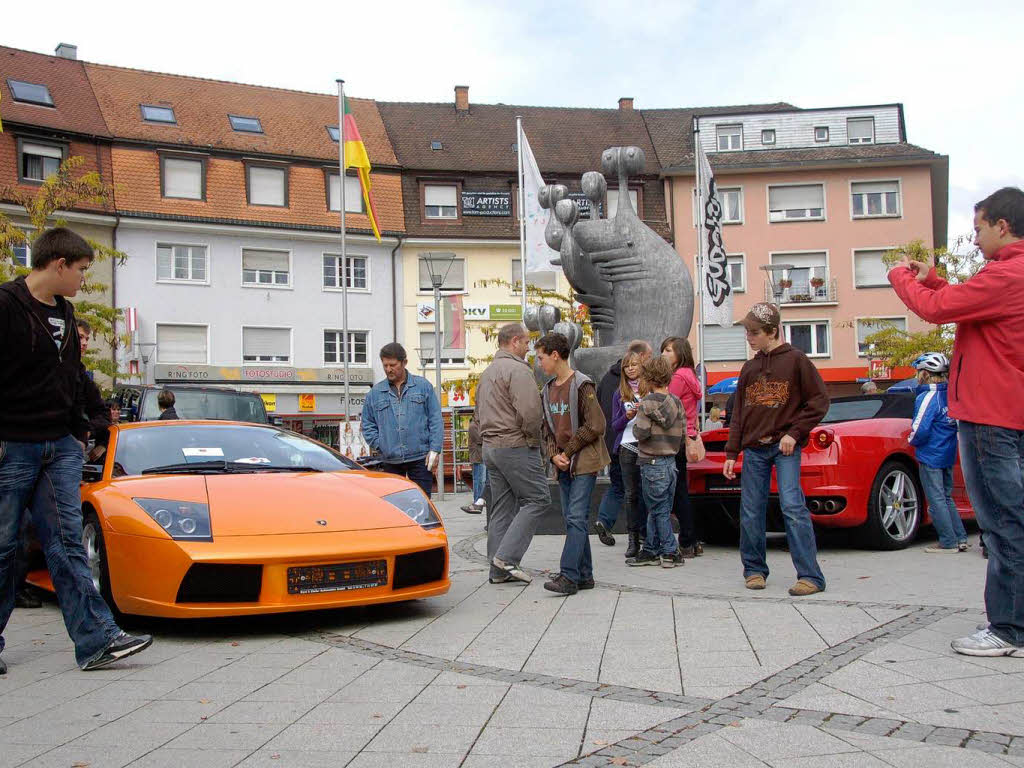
x=695, y=450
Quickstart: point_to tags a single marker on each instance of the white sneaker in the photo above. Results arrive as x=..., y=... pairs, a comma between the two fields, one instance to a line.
x=985, y=642
x=513, y=570
x=941, y=550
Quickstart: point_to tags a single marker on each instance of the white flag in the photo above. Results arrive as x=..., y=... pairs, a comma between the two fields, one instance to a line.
x=715, y=280
x=538, y=255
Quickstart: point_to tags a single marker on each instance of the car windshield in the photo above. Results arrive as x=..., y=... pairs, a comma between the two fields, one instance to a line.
x=209, y=404
x=859, y=408
x=175, y=444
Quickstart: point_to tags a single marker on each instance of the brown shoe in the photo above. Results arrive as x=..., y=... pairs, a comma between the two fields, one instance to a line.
x=756, y=581
x=804, y=587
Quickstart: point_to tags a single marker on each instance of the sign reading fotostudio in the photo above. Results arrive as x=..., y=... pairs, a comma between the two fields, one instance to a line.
x=486, y=204
x=259, y=374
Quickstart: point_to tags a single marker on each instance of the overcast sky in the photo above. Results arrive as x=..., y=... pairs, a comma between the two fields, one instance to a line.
x=955, y=66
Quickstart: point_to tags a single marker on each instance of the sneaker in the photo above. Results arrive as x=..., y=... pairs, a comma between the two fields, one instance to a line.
x=499, y=579
x=26, y=598
x=942, y=550
x=644, y=558
x=513, y=570
x=963, y=546
x=471, y=509
x=586, y=584
x=121, y=647
x=561, y=584
x=698, y=549
x=603, y=534
x=804, y=587
x=688, y=552
x=671, y=561
x=985, y=642
x=755, y=581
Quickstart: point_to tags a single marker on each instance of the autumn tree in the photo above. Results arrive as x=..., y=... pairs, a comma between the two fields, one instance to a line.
x=64, y=191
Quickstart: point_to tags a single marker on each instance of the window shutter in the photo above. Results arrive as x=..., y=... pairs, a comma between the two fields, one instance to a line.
x=266, y=185
x=266, y=341
x=869, y=187
x=860, y=129
x=181, y=344
x=42, y=150
x=353, y=194
x=724, y=343
x=276, y=261
x=163, y=263
x=453, y=282
x=613, y=201
x=545, y=280
x=796, y=197
x=439, y=195
x=869, y=268
x=183, y=178
x=865, y=329
x=800, y=260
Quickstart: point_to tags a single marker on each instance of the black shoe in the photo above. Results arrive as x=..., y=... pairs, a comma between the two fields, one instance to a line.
x=671, y=561
x=698, y=548
x=644, y=558
x=121, y=647
x=603, y=534
x=3, y=667
x=26, y=598
x=633, y=548
x=561, y=584
x=586, y=584
x=472, y=509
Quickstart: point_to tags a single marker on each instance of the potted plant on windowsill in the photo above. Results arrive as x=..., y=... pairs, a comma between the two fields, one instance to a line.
x=785, y=283
x=817, y=282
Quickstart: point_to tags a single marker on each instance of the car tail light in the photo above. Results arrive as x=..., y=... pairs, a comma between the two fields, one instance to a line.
x=823, y=438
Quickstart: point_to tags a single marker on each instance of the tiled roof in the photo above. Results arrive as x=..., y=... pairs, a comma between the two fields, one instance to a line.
x=767, y=158
x=294, y=122
x=74, y=105
x=96, y=158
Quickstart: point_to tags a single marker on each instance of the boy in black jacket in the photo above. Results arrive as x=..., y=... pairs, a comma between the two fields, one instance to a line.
x=43, y=430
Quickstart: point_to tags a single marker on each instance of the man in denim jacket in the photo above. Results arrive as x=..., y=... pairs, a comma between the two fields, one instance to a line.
x=402, y=420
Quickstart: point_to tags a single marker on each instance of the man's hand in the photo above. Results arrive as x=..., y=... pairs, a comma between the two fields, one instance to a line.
x=919, y=268
x=561, y=461
x=431, y=460
x=728, y=469
x=787, y=444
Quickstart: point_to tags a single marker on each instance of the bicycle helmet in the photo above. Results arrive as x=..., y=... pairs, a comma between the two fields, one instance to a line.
x=936, y=362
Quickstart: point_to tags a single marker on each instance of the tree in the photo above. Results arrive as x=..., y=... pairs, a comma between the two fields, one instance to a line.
x=957, y=265
x=63, y=191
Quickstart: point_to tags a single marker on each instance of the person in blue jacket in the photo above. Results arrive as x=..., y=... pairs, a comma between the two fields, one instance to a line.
x=933, y=434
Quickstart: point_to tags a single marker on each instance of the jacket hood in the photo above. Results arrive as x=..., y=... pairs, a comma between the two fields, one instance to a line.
x=1012, y=251
x=664, y=414
x=19, y=290
x=767, y=358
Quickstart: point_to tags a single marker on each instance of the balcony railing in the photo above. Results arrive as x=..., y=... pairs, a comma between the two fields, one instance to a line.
x=804, y=293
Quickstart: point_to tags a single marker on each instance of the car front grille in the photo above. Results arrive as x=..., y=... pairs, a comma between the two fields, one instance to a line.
x=221, y=583
x=419, y=568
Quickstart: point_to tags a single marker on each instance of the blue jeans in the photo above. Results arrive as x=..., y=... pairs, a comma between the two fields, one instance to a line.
x=658, y=480
x=479, y=480
x=611, y=502
x=938, y=488
x=576, y=563
x=44, y=478
x=992, y=459
x=755, y=484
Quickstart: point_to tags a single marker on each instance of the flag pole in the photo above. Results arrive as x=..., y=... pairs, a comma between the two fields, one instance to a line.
x=344, y=345
x=522, y=208
x=699, y=188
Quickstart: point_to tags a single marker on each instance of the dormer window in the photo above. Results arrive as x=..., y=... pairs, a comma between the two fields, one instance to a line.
x=245, y=124
x=860, y=130
x=435, y=145
x=730, y=137
x=768, y=136
x=821, y=134
x=39, y=161
x=155, y=114
x=334, y=132
x=30, y=93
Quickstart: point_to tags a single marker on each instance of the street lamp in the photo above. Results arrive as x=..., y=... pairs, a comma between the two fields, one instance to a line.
x=774, y=279
x=438, y=267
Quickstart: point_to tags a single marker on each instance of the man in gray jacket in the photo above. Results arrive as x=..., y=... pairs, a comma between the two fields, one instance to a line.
x=509, y=411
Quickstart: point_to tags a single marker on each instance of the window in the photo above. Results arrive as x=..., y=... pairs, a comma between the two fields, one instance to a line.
x=334, y=132
x=730, y=137
x=266, y=345
x=613, y=202
x=821, y=133
x=23, y=253
x=353, y=194
x=731, y=199
x=870, y=326
x=358, y=272
x=809, y=338
x=876, y=198
x=455, y=280
x=735, y=272
x=245, y=124
x=39, y=161
x=860, y=130
x=265, y=269
x=30, y=93
x=449, y=356
x=181, y=263
x=436, y=145
x=724, y=343
x=154, y=114
x=796, y=201
x=869, y=271
x=440, y=202
x=358, y=348
x=181, y=344
x=547, y=281
x=804, y=276
x=183, y=178
x=768, y=136
x=267, y=186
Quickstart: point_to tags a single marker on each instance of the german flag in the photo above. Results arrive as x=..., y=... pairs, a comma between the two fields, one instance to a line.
x=356, y=157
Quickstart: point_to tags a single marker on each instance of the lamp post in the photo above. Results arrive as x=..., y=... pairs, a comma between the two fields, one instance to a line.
x=438, y=266
x=775, y=279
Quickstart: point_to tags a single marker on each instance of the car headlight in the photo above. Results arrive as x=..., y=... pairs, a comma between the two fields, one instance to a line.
x=416, y=506
x=186, y=520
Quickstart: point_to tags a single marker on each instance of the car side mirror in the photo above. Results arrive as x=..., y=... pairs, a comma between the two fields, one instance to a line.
x=92, y=473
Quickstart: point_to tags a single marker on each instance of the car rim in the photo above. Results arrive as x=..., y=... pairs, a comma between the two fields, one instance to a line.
x=92, y=553
x=898, y=502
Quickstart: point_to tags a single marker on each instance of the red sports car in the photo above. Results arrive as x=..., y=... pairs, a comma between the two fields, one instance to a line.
x=857, y=471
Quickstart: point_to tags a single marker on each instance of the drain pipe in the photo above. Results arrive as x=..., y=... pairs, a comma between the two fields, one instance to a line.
x=394, y=291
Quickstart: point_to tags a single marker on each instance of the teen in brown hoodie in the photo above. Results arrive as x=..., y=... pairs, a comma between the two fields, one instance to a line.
x=780, y=398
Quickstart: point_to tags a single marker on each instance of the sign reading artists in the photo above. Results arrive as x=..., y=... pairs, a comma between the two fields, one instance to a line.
x=486, y=203
x=717, y=291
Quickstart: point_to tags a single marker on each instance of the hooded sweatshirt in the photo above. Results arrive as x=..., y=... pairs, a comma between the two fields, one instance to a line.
x=933, y=432
x=659, y=426
x=779, y=393
x=42, y=395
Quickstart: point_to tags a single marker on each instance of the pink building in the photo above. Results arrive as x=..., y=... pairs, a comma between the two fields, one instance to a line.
x=820, y=195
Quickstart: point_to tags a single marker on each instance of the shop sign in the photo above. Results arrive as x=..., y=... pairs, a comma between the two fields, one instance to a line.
x=486, y=204
x=425, y=312
x=269, y=402
x=506, y=312
x=255, y=374
x=583, y=204
x=307, y=403
x=458, y=396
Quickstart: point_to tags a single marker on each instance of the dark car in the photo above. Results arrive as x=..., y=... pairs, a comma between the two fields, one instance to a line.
x=138, y=403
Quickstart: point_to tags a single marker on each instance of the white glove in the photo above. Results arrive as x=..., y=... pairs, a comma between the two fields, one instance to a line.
x=431, y=460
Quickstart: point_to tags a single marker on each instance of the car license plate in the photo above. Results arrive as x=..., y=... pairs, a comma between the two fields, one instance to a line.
x=308, y=579
x=722, y=484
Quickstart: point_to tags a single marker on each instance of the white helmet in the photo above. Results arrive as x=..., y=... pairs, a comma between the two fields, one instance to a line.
x=936, y=362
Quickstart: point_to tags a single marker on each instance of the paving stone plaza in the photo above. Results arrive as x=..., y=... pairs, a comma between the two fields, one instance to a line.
x=662, y=668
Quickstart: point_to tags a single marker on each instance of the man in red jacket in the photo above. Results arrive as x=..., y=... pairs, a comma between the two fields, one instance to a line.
x=986, y=383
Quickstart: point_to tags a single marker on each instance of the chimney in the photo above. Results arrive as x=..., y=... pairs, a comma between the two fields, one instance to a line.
x=626, y=104
x=67, y=51
x=462, y=98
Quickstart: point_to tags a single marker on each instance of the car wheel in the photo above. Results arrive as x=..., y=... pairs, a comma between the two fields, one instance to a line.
x=894, y=507
x=96, y=557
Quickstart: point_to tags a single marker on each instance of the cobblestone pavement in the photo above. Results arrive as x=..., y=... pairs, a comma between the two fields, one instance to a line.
x=663, y=668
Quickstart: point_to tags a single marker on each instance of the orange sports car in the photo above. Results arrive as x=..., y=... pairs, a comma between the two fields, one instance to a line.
x=190, y=519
